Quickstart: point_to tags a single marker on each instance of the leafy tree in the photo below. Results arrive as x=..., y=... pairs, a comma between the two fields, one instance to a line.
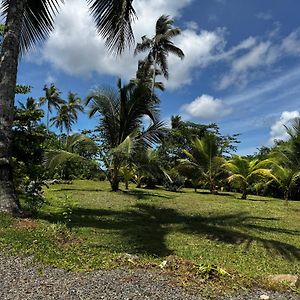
x=203, y=162
x=181, y=135
x=160, y=45
x=28, y=22
x=243, y=172
x=52, y=99
x=121, y=114
x=28, y=145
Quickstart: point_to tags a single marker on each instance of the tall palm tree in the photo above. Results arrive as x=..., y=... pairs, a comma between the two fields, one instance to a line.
x=31, y=21
x=74, y=105
x=52, y=99
x=203, y=162
x=243, y=171
x=121, y=114
x=160, y=45
x=68, y=113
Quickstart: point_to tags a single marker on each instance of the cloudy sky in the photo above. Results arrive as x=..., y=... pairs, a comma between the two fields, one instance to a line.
x=241, y=67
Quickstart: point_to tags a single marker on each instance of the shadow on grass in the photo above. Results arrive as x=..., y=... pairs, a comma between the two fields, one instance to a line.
x=142, y=195
x=76, y=189
x=143, y=228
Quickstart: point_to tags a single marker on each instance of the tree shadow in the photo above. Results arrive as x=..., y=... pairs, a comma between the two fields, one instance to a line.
x=143, y=228
x=144, y=195
x=77, y=189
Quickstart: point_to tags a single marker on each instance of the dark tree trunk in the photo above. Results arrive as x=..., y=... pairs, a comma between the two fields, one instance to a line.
x=244, y=195
x=8, y=74
x=114, y=179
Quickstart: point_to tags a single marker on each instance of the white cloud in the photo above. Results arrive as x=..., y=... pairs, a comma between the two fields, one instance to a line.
x=278, y=131
x=75, y=48
x=206, y=107
x=291, y=44
x=267, y=15
x=259, y=55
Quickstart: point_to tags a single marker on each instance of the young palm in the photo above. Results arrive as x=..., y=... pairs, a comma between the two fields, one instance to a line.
x=243, y=172
x=121, y=114
x=31, y=21
x=203, y=162
x=160, y=45
x=52, y=99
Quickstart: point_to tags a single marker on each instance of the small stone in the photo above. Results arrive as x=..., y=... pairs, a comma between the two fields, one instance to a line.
x=264, y=297
x=291, y=280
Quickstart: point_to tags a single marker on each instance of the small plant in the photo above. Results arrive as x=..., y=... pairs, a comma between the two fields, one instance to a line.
x=68, y=212
x=211, y=271
x=34, y=195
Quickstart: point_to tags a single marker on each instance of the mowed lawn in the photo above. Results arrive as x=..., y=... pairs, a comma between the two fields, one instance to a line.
x=253, y=237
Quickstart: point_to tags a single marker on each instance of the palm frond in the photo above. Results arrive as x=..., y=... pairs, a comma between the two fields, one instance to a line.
x=113, y=19
x=38, y=20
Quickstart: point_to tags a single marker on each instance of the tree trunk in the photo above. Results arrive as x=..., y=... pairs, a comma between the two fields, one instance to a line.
x=244, y=195
x=286, y=197
x=195, y=189
x=8, y=74
x=114, y=180
x=126, y=184
x=154, y=75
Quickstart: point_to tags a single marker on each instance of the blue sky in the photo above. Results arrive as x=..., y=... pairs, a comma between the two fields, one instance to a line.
x=241, y=67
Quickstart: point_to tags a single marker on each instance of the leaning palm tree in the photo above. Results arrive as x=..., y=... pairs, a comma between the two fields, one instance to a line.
x=244, y=171
x=28, y=22
x=160, y=45
x=52, y=99
x=121, y=115
x=203, y=162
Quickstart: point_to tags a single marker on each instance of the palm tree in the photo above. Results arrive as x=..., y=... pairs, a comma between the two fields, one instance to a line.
x=160, y=45
x=28, y=22
x=74, y=105
x=121, y=113
x=203, y=162
x=243, y=171
x=52, y=98
x=68, y=113
x=69, y=149
x=285, y=161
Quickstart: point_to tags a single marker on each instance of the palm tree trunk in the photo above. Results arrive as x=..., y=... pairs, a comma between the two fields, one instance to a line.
x=48, y=116
x=8, y=74
x=154, y=75
x=286, y=197
x=244, y=195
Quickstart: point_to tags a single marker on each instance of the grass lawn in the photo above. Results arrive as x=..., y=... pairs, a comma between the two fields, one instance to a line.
x=254, y=237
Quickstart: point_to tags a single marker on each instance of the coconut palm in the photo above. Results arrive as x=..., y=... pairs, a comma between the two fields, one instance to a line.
x=285, y=161
x=121, y=114
x=52, y=99
x=28, y=22
x=68, y=113
x=203, y=162
x=244, y=171
x=144, y=75
x=69, y=149
x=74, y=105
x=160, y=45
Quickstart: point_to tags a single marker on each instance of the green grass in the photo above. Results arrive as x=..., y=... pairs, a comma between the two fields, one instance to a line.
x=253, y=237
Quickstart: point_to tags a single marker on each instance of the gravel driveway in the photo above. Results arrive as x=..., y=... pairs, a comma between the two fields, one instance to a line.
x=20, y=280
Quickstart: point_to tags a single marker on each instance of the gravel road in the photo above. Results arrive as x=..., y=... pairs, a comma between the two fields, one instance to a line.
x=21, y=280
